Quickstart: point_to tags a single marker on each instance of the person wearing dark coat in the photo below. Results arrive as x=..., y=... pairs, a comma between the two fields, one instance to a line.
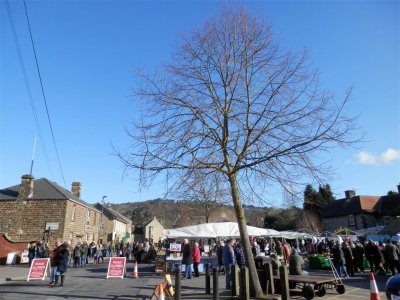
x=371, y=251
x=219, y=249
x=59, y=264
x=187, y=259
x=338, y=260
x=392, y=253
x=240, y=260
x=358, y=257
x=348, y=258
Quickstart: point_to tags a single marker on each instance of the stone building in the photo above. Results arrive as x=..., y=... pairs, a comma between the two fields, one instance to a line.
x=153, y=231
x=41, y=209
x=361, y=212
x=114, y=226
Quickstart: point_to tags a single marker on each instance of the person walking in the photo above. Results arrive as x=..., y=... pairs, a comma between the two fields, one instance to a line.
x=54, y=264
x=239, y=255
x=371, y=251
x=84, y=254
x=62, y=258
x=338, y=260
x=358, y=255
x=348, y=258
x=219, y=249
x=392, y=255
x=187, y=259
x=196, y=259
x=77, y=255
x=229, y=259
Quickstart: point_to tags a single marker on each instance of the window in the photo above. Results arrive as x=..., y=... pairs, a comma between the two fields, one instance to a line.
x=73, y=213
x=87, y=216
x=352, y=220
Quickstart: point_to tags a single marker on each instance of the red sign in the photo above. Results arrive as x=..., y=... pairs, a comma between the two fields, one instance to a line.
x=39, y=268
x=116, y=267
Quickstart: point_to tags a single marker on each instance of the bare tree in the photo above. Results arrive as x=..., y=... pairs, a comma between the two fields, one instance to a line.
x=207, y=191
x=235, y=103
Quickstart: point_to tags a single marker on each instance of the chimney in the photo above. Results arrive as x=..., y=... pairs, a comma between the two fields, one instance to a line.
x=349, y=194
x=76, y=188
x=398, y=188
x=26, y=189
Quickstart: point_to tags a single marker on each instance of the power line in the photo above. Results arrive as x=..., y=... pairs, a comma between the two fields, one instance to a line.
x=44, y=96
x=22, y=64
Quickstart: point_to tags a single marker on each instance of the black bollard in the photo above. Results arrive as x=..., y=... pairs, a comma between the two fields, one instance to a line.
x=235, y=280
x=244, y=284
x=284, y=281
x=215, y=284
x=208, y=280
x=178, y=283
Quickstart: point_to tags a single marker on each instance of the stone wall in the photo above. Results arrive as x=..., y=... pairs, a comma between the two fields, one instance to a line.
x=26, y=221
x=82, y=223
x=361, y=221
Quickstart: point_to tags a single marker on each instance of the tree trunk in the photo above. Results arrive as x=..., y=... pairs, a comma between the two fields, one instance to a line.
x=241, y=219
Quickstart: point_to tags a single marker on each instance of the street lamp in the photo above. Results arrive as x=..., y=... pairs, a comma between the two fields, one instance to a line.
x=101, y=218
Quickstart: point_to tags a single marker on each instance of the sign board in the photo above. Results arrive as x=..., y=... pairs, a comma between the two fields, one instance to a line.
x=52, y=225
x=38, y=269
x=175, y=247
x=25, y=257
x=11, y=258
x=116, y=267
x=160, y=264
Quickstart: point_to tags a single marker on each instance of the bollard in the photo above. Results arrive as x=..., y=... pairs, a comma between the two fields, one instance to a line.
x=235, y=280
x=269, y=279
x=244, y=284
x=284, y=280
x=208, y=280
x=215, y=284
x=178, y=283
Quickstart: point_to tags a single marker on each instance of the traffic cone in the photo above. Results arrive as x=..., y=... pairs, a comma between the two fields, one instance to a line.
x=374, y=288
x=135, y=273
x=160, y=292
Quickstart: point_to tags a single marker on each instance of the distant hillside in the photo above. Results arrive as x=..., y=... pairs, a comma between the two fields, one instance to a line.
x=183, y=213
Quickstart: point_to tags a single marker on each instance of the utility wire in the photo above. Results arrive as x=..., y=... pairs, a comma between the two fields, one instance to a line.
x=21, y=62
x=44, y=96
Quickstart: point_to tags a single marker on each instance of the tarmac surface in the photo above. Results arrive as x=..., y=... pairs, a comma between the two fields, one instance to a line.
x=92, y=283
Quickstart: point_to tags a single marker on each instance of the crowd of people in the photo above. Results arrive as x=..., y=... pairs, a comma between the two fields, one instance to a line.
x=64, y=255
x=347, y=256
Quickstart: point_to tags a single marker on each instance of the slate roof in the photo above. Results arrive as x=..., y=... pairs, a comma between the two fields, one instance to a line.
x=392, y=228
x=43, y=189
x=388, y=205
x=354, y=205
x=112, y=214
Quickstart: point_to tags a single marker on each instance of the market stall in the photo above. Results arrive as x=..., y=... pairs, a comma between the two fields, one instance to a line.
x=205, y=232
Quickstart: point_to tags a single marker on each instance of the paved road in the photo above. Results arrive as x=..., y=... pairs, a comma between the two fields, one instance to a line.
x=91, y=283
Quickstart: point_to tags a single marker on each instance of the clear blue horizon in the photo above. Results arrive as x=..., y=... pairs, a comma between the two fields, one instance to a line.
x=88, y=52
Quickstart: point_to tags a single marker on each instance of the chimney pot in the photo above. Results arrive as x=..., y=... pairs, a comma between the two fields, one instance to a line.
x=76, y=188
x=26, y=189
x=349, y=194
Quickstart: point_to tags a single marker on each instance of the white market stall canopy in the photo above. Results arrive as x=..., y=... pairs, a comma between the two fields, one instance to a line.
x=214, y=230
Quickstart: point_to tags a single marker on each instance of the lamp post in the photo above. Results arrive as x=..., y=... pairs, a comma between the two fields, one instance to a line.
x=101, y=219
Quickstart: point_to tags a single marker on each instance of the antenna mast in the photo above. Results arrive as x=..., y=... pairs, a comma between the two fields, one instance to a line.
x=33, y=155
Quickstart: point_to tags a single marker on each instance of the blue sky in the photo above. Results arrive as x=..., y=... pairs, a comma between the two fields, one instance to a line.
x=88, y=52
